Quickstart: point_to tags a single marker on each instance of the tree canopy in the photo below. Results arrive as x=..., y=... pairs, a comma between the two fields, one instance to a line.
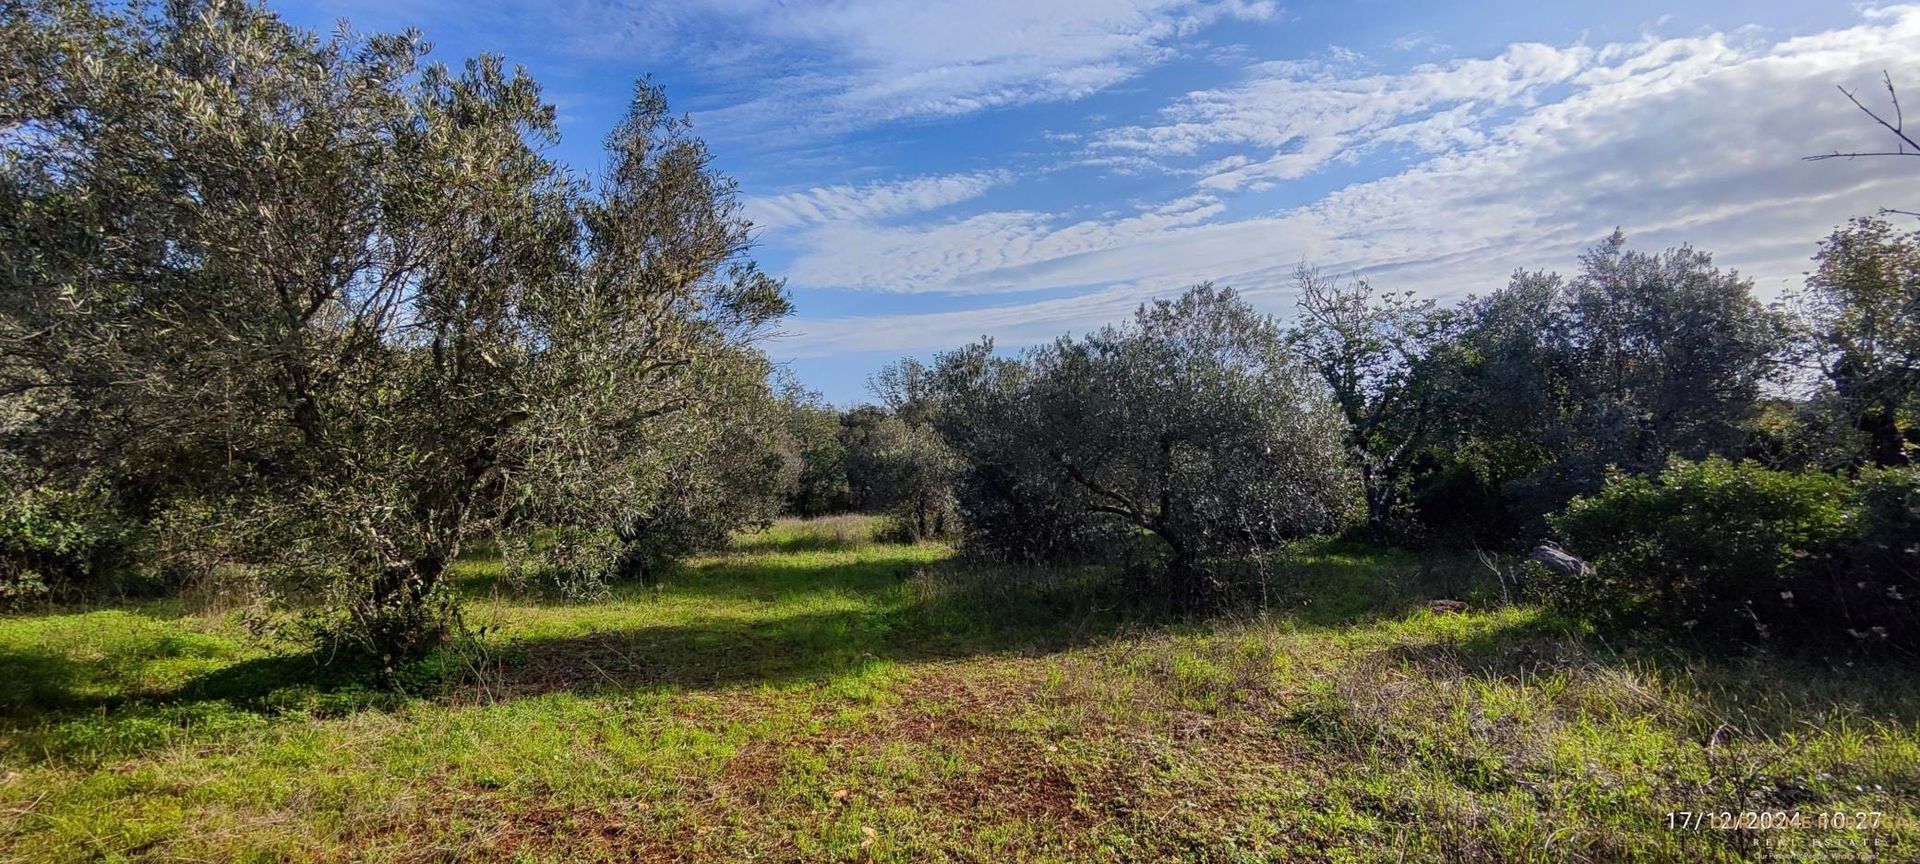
x=337, y=300
x=1193, y=423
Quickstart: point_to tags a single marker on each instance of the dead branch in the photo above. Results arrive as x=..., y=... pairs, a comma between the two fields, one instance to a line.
x=1904, y=146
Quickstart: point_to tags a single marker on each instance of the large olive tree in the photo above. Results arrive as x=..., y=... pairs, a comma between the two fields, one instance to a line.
x=1193, y=424
x=1665, y=355
x=337, y=304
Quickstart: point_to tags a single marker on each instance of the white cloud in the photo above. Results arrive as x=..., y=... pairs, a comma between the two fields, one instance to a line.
x=1010, y=326
x=870, y=202
x=1307, y=115
x=1419, y=42
x=1692, y=140
x=859, y=62
x=997, y=251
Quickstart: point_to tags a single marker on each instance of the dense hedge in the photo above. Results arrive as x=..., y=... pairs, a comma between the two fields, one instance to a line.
x=1737, y=551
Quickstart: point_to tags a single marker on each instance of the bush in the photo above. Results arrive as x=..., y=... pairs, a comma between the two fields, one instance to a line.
x=738, y=483
x=1024, y=518
x=62, y=545
x=1737, y=551
x=1469, y=493
x=1883, y=556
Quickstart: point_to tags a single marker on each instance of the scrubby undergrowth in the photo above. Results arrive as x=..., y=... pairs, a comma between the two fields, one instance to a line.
x=818, y=695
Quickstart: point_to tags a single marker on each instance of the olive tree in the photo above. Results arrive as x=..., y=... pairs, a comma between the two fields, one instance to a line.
x=1193, y=424
x=1859, y=327
x=1380, y=353
x=738, y=476
x=913, y=478
x=1637, y=358
x=1667, y=355
x=1012, y=504
x=860, y=444
x=902, y=464
x=811, y=439
x=337, y=302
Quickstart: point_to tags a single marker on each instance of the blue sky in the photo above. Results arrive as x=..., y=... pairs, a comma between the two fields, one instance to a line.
x=929, y=172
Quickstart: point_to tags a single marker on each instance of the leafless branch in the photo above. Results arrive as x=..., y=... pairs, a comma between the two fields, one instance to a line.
x=1905, y=146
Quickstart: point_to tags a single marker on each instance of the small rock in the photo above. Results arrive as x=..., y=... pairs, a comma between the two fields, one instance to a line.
x=1560, y=561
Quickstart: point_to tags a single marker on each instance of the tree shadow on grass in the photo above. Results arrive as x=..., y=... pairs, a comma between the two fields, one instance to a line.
x=736, y=577
x=1334, y=583
x=738, y=580
x=770, y=542
x=45, y=687
x=1726, y=690
x=906, y=609
x=66, y=717
x=707, y=653
x=34, y=681
x=87, y=710
x=912, y=615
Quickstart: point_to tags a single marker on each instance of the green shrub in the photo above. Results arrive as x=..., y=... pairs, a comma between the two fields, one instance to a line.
x=58, y=545
x=1737, y=551
x=1883, y=556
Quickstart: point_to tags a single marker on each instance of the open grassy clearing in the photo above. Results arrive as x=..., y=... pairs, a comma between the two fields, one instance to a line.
x=816, y=695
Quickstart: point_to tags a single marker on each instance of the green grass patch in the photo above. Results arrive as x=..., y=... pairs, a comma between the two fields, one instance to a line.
x=815, y=694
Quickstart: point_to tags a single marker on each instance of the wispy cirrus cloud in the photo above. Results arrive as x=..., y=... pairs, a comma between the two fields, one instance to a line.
x=1522, y=159
x=985, y=253
x=852, y=64
x=1306, y=115
x=816, y=70
x=870, y=202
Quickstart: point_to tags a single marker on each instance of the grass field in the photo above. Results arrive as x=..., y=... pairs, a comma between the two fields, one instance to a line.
x=814, y=695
